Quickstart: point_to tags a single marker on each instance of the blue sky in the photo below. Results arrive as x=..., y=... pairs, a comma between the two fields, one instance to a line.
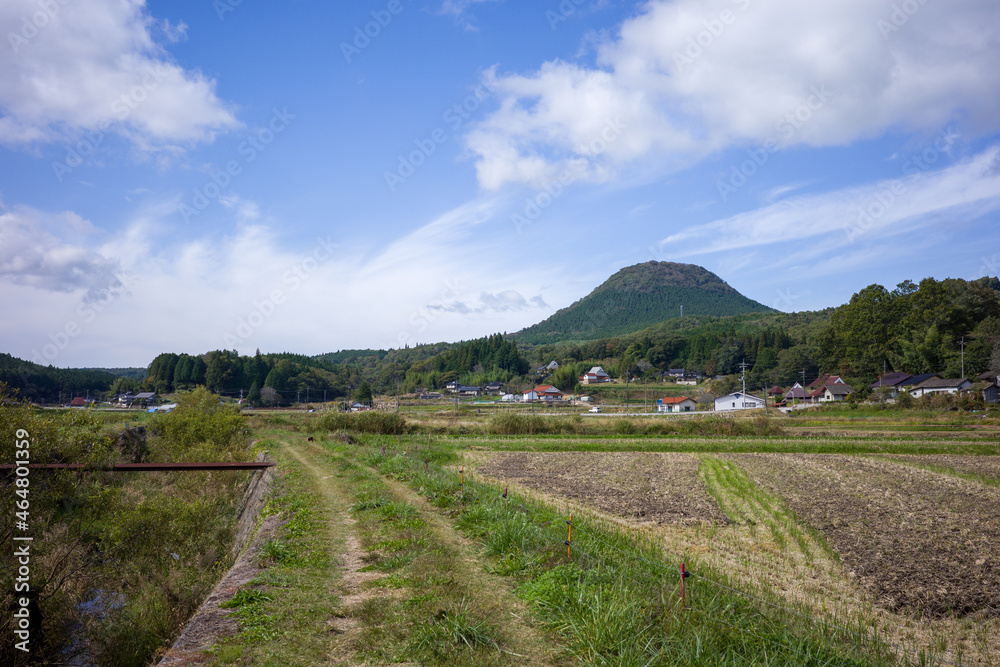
x=312, y=176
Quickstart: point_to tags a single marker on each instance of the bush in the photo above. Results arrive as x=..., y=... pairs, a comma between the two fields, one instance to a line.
x=369, y=421
x=519, y=424
x=625, y=427
x=201, y=428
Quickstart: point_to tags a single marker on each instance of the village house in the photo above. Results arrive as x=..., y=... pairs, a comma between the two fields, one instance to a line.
x=547, y=392
x=738, y=401
x=836, y=392
x=675, y=404
x=914, y=380
x=894, y=380
x=594, y=376
x=468, y=392
x=797, y=393
x=936, y=385
x=493, y=388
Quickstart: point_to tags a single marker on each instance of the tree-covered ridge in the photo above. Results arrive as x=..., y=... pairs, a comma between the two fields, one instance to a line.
x=640, y=296
x=493, y=354
x=48, y=384
x=917, y=329
x=475, y=362
x=374, y=359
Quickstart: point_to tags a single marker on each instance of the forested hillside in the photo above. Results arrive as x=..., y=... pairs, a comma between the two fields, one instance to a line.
x=639, y=296
x=47, y=384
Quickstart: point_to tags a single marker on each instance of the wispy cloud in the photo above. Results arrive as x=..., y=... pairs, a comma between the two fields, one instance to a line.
x=970, y=187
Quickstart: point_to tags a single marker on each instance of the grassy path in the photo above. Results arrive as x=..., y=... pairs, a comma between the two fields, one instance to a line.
x=385, y=580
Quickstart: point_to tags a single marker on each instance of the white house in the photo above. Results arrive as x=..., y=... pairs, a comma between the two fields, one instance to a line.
x=937, y=385
x=738, y=401
x=675, y=404
x=836, y=392
x=594, y=376
x=529, y=395
x=547, y=392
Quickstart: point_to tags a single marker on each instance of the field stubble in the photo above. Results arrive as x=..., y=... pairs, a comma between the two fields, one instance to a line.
x=860, y=542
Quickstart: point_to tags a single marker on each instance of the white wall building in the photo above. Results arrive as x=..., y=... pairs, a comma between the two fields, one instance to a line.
x=738, y=401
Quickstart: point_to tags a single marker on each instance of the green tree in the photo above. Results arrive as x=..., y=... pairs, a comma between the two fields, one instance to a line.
x=364, y=393
x=254, y=396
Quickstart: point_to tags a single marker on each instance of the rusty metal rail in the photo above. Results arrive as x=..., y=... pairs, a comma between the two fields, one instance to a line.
x=147, y=467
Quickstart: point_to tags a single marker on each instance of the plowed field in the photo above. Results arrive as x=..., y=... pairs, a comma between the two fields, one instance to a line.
x=643, y=486
x=919, y=540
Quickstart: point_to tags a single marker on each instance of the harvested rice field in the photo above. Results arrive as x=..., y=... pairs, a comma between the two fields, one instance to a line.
x=908, y=544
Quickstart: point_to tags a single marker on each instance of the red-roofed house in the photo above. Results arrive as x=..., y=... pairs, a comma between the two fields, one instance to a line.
x=675, y=404
x=547, y=392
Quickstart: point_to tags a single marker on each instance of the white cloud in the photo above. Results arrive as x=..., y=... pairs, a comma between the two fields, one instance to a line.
x=689, y=77
x=95, y=66
x=459, y=10
x=31, y=254
x=500, y=302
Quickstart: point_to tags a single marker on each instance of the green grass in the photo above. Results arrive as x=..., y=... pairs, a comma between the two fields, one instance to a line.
x=281, y=611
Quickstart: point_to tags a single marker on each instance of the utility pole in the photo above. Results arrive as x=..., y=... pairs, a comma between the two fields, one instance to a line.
x=963, y=357
x=626, y=392
x=743, y=376
x=764, y=389
x=682, y=310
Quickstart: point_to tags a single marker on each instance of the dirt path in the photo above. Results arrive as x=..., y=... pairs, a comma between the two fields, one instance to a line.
x=525, y=644
x=346, y=548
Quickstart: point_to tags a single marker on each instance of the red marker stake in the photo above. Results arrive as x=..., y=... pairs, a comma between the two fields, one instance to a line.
x=569, y=536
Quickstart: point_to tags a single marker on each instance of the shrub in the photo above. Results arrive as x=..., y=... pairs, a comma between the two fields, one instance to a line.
x=369, y=421
x=625, y=427
x=519, y=424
